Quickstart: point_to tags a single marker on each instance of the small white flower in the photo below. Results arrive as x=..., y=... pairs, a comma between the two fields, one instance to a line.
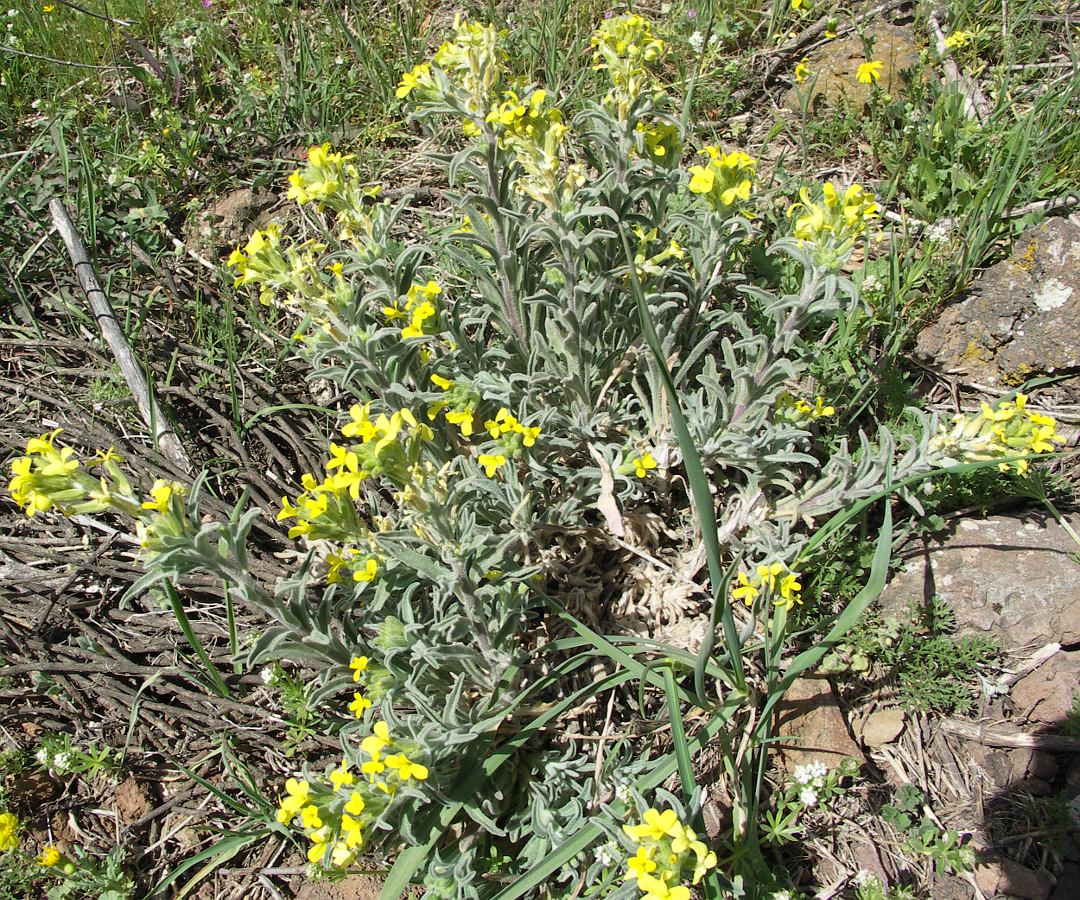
x=339, y=60
x=267, y=674
x=871, y=284
x=864, y=878
x=808, y=796
x=697, y=41
x=782, y=895
x=608, y=854
x=622, y=793
x=12, y=13
x=42, y=756
x=938, y=233
x=714, y=39
x=60, y=761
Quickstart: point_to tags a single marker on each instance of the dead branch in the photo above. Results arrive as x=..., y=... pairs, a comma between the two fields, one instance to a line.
x=149, y=408
x=1000, y=737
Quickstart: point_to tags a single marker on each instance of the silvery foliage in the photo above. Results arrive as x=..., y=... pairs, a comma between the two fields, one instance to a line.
x=447, y=639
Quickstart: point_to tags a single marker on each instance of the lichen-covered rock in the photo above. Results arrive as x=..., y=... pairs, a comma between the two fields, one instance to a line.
x=832, y=68
x=1011, y=579
x=1021, y=319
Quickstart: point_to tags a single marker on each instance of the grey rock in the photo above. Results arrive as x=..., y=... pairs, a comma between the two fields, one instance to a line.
x=1007, y=578
x=1021, y=319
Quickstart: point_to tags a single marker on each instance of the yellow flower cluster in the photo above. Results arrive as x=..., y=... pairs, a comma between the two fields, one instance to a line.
x=330, y=179
x=418, y=309
x=388, y=446
x=388, y=772
x=50, y=476
x=667, y=852
x=797, y=410
x=772, y=580
x=626, y=48
x=459, y=403
x=473, y=59
x=958, y=39
x=292, y=271
x=653, y=264
x=1008, y=429
x=836, y=223
x=9, y=831
x=725, y=180
x=660, y=142
x=511, y=434
x=332, y=820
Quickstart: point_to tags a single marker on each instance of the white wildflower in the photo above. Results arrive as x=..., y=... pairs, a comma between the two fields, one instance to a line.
x=808, y=796
x=871, y=284
x=782, y=895
x=267, y=674
x=42, y=756
x=608, y=854
x=938, y=233
x=865, y=878
x=697, y=41
x=714, y=39
x=60, y=761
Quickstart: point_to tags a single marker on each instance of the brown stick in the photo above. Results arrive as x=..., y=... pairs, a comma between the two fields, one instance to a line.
x=149, y=408
x=999, y=737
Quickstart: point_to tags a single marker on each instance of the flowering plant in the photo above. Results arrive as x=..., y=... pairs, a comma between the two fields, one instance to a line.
x=587, y=340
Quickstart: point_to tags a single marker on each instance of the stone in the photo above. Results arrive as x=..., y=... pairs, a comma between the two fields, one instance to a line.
x=883, y=726
x=229, y=220
x=1009, y=578
x=1068, y=883
x=1001, y=876
x=1021, y=318
x=812, y=728
x=832, y=68
x=1046, y=695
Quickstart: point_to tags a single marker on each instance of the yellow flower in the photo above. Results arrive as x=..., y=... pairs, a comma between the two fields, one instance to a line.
x=9, y=826
x=799, y=4
x=374, y=743
x=355, y=806
x=464, y=420
x=655, y=827
x=359, y=704
x=309, y=817
x=405, y=768
x=358, y=665
x=419, y=77
x=766, y=575
x=491, y=462
x=789, y=591
x=746, y=591
x=368, y=573
x=48, y=8
x=341, y=776
x=49, y=856
x=161, y=492
x=641, y=863
x=352, y=830
x=439, y=381
x=642, y=464
x=296, y=796
x=802, y=70
x=869, y=72
x=655, y=889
